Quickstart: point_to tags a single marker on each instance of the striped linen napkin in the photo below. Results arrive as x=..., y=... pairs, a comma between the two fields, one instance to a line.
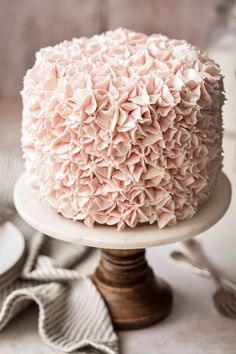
x=72, y=314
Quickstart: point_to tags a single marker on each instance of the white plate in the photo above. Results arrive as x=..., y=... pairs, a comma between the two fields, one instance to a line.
x=12, y=247
x=50, y=223
x=13, y=273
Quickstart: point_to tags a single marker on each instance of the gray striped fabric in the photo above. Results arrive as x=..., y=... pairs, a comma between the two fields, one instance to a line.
x=72, y=314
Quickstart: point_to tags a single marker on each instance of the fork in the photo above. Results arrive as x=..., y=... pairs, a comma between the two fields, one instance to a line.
x=224, y=299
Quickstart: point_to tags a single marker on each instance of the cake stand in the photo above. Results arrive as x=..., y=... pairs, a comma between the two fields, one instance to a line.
x=135, y=297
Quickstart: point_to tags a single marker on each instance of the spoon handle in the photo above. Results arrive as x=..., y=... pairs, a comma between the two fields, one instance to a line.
x=186, y=262
x=195, y=248
x=190, y=265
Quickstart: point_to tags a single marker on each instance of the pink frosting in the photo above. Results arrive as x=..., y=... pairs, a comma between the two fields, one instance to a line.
x=123, y=128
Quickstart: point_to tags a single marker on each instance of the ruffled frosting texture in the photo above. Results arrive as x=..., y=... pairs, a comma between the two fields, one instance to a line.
x=123, y=128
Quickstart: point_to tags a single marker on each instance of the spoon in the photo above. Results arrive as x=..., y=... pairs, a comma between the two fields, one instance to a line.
x=198, y=269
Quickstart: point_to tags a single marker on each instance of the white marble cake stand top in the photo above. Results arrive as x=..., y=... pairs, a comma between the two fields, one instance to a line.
x=50, y=223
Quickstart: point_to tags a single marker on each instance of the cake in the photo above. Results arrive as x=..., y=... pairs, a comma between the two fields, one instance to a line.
x=123, y=128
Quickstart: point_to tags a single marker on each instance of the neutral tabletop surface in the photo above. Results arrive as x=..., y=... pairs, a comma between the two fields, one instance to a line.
x=194, y=326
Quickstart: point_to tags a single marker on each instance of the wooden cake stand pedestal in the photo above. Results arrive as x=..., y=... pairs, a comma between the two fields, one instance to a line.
x=135, y=297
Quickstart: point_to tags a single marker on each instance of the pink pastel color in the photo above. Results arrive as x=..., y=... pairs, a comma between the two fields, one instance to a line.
x=123, y=128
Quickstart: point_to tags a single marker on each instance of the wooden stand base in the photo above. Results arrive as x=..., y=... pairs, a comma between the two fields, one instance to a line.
x=134, y=296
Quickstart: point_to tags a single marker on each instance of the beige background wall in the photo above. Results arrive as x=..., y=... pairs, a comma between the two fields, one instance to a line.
x=27, y=25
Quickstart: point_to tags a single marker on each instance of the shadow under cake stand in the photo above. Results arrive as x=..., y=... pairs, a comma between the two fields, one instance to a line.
x=135, y=297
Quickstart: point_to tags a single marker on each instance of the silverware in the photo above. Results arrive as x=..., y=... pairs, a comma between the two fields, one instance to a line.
x=190, y=264
x=224, y=299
